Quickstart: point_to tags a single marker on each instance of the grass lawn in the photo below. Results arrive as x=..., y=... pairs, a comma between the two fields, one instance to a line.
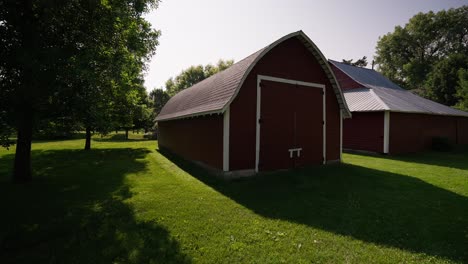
x=124, y=202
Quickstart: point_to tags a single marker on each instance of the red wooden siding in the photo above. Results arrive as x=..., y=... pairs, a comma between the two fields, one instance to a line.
x=295, y=121
x=346, y=82
x=197, y=139
x=414, y=132
x=288, y=60
x=462, y=132
x=364, y=131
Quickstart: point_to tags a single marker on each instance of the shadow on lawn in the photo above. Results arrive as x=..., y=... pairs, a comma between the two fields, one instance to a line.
x=457, y=158
x=370, y=205
x=80, y=216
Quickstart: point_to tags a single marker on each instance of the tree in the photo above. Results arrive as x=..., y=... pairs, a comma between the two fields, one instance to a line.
x=159, y=97
x=359, y=63
x=78, y=49
x=462, y=89
x=408, y=54
x=193, y=75
x=442, y=80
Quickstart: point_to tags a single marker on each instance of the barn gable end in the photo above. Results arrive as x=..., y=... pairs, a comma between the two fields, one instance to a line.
x=223, y=112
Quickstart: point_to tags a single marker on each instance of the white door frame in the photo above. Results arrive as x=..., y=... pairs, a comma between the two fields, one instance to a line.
x=386, y=132
x=260, y=78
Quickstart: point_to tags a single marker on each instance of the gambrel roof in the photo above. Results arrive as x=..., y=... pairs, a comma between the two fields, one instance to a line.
x=214, y=94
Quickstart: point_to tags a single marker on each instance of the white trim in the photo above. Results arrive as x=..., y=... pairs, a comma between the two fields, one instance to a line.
x=297, y=150
x=288, y=81
x=189, y=115
x=341, y=136
x=386, y=131
x=257, y=132
x=321, y=58
x=282, y=80
x=226, y=120
x=324, y=126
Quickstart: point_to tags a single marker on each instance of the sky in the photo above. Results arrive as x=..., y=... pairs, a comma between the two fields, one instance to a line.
x=204, y=31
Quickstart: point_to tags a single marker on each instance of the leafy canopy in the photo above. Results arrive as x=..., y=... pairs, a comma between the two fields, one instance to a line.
x=408, y=54
x=195, y=74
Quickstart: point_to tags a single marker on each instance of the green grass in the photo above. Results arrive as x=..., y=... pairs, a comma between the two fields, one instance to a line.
x=125, y=202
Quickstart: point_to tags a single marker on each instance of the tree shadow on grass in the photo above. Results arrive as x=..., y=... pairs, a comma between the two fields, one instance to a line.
x=370, y=205
x=456, y=158
x=75, y=211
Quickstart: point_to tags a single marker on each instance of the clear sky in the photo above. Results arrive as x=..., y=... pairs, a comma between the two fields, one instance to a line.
x=203, y=31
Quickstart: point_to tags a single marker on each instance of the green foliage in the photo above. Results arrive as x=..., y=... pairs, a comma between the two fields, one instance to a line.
x=56, y=128
x=359, y=63
x=159, y=97
x=5, y=130
x=193, y=75
x=408, y=54
x=79, y=58
x=124, y=202
x=442, y=81
x=462, y=90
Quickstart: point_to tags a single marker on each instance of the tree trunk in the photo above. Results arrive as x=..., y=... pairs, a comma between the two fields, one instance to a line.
x=88, y=139
x=126, y=134
x=22, y=164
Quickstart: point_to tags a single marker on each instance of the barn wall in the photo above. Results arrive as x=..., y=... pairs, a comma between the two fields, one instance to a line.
x=364, y=131
x=289, y=60
x=196, y=139
x=346, y=82
x=414, y=132
x=462, y=133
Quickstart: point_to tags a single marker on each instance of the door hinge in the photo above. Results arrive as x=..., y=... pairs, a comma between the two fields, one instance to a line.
x=260, y=120
x=323, y=122
x=321, y=92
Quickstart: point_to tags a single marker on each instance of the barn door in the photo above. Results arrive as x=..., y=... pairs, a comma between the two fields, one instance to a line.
x=291, y=128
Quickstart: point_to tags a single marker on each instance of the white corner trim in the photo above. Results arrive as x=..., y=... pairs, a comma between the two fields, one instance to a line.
x=324, y=127
x=341, y=135
x=294, y=82
x=386, y=132
x=257, y=132
x=226, y=120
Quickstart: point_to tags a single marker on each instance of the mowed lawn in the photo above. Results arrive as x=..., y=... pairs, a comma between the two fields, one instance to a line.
x=125, y=202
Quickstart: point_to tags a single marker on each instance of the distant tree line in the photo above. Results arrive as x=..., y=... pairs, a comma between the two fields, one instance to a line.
x=185, y=79
x=358, y=63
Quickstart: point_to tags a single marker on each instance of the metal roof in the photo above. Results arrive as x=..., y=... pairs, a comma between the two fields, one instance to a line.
x=214, y=94
x=380, y=94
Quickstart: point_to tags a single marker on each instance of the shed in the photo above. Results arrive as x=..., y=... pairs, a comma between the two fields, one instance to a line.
x=390, y=119
x=279, y=108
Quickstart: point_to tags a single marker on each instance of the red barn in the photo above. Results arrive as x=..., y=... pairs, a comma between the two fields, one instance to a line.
x=279, y=108
x=390, y=119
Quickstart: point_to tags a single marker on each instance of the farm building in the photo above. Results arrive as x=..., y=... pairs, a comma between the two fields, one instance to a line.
x=390, y=119
x=279, y=108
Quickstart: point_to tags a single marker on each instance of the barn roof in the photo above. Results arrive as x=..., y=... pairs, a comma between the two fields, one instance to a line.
x=379, y=94
x=214, y=94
